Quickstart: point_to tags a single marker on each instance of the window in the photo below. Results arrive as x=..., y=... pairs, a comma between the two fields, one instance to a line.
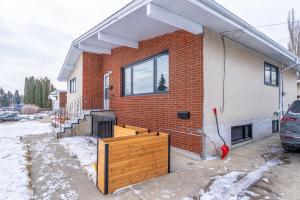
x=271, y=75
x=294, y=108
x=73, y=85
x=275, y=126
x=142, y=80
x=241, y=133
x=147, y=77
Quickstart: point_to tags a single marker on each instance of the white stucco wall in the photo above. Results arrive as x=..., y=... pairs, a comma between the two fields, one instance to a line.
x=76, y=73
x=298, y=89
x=247, y=99
x=289, y=88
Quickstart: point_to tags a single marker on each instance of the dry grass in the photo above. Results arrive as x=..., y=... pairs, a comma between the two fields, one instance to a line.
x=29, y=109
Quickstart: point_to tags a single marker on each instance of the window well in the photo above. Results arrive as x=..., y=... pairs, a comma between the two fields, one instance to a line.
x=241, y=133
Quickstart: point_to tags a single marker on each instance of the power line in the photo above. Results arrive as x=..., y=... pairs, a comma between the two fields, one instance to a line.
x=260, y=26
x=267, y=25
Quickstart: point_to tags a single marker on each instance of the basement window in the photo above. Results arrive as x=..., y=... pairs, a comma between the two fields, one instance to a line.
x=275, y=126
x=148, y=76
x=271, y=75
x=241, y=133
x=73, y=85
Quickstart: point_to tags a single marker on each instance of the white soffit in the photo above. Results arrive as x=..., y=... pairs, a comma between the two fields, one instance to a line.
x=144, y=19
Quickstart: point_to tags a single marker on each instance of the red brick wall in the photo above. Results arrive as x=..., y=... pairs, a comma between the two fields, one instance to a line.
x=158, y=112
x=62, y=99
x=92, y=81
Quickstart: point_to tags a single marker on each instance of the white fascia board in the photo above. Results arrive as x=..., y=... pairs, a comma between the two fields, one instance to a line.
x=230, y=18
x=117, y=40
x=94, y=49
x=161, y=14
x=68, y=67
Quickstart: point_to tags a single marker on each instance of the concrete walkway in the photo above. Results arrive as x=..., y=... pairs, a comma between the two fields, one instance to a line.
x=55, y=174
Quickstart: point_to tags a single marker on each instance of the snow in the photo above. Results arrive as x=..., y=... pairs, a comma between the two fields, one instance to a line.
x=85, y=149
x=13, y=173
x=18, y=129
x=15, y=183
x=232, y=186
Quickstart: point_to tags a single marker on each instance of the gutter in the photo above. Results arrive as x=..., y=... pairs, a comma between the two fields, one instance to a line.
x=297, y=63
x=220, y=12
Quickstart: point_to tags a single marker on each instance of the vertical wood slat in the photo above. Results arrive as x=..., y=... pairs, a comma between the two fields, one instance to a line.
x=121, y=170
x=126, y=130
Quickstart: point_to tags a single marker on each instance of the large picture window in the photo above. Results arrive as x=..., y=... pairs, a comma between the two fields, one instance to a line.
x=271, y=75
x=73, y=85
x=147, y=77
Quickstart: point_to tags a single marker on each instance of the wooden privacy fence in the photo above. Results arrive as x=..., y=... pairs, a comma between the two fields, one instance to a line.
x=126, y=130
x=124, y=161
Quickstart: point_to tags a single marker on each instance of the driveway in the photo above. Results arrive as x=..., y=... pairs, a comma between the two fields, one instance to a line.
x=259, y=170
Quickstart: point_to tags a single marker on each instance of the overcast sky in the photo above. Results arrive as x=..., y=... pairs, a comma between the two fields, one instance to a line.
x=35, y=34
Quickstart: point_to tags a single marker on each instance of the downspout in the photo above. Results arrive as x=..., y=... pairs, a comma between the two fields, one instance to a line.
x=283, y=69
x=281, y=94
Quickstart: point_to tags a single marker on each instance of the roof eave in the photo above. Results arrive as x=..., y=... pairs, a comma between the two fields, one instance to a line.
x=239, y=23
x=211, y=6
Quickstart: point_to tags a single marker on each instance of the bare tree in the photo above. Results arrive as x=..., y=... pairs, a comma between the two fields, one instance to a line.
x=294, y=31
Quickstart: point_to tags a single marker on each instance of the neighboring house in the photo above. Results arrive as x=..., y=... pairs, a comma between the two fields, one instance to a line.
x=58, y=99
x=164, y=65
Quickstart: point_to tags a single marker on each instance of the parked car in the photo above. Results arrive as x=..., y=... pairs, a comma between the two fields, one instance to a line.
x=18, y=107
x=290, y=128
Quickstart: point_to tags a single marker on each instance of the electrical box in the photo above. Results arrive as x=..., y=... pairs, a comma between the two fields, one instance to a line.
x=183, y=115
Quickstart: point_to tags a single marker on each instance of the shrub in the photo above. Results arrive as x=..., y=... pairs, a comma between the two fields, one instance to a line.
x=29, y=109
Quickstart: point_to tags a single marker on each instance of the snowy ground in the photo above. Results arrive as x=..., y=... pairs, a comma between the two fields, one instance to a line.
x=260, y=170
x=234, y=185
x=85, y=149
x=15, y=183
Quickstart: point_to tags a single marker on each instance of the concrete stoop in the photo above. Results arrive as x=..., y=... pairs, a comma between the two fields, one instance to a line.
x=83, y=125
x=79, y=127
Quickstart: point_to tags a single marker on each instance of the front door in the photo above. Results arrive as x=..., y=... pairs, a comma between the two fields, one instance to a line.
x=106, y=91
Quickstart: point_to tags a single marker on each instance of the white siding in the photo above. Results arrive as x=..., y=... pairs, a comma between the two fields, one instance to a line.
x=76, y=73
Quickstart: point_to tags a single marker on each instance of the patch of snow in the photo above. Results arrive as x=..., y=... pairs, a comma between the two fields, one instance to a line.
x=137, y=192
x=13, y=173
x=253, y=194
x=15, y=183
x=232, y=185
x=187, y=198
x=265, y=180
x=227, y=160
x=24, y=128
x=211, y=158
x=85, y=149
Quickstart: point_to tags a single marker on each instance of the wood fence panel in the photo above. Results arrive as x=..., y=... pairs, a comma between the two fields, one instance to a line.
x=128, y=160
x=126, y=130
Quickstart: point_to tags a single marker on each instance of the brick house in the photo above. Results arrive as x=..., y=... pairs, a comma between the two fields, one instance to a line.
x=58, y=99
x=164, y=65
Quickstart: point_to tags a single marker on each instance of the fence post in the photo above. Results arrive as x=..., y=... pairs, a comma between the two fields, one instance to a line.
x=169, y=153
x=106, y=163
